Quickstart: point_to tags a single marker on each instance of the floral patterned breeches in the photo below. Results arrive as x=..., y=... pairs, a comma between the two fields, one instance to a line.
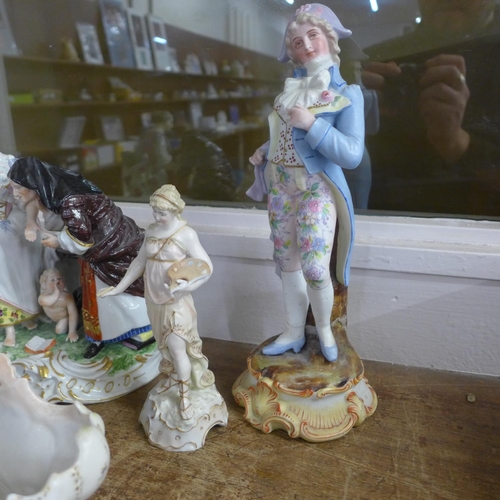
x=302, y=216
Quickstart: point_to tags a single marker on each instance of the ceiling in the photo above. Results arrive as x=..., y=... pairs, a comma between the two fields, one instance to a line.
x=358, y=12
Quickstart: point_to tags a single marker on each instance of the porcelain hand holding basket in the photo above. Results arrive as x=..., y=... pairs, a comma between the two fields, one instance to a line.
x=47, y=451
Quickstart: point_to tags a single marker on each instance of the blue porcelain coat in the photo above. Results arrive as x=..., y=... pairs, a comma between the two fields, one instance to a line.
x=335, y=141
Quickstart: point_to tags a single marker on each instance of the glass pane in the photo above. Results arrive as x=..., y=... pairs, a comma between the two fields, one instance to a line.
x=136, y=94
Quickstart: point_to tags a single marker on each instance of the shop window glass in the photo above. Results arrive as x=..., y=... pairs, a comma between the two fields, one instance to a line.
x=137, y=94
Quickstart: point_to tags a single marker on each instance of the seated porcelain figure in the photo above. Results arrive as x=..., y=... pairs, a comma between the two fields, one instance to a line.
x=96, y=230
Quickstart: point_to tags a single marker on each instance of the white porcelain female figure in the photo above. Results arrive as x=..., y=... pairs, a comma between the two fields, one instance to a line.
x=316, y=130
x=168, y=241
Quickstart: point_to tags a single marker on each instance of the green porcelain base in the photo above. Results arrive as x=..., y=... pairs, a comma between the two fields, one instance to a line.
x=62, y=374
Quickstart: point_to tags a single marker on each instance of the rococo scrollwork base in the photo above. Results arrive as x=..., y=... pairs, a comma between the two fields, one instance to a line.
x=164, y=426
x=304, y=394
x=64, y=375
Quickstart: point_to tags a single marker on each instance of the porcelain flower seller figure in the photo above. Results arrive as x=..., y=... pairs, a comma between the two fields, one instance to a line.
x=316, y=130
x=58, y=304
x=96, y=230
x=22, y=262
x=174, y=264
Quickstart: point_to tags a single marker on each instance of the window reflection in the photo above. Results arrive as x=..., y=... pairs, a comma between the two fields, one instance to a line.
x=438, y=146
x=431, y=99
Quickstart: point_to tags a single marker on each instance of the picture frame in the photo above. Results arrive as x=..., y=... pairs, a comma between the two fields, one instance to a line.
x=192, y=65
x=71, y=132
x=89, y=42
x=112, y=128
x=159, y=43
x=195, y=113
x=117, y=34
x=140, y=39
x=8, y=44
x=174, y=63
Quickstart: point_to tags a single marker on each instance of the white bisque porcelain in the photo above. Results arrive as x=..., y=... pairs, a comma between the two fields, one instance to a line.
x=54, y=452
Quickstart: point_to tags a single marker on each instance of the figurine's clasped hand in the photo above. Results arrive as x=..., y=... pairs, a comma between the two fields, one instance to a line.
x=300, y=117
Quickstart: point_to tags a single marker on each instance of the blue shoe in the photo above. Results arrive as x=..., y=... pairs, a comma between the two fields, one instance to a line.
x=331, y=353
x=273, y=349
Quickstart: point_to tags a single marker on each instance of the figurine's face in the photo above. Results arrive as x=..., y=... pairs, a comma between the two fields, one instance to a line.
x=163, y=216
x=22, y=195
x=53, y=279
x=308, y=42
x=456, y=16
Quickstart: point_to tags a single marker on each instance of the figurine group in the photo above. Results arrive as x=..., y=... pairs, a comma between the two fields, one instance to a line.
x=83, y=221
x=134, y=282
x=115, y=255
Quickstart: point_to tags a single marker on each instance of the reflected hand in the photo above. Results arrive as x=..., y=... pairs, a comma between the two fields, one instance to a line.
x=374, y=77
x=374, y=74
x=50, y=240
x=442, y=104
x=300, y=117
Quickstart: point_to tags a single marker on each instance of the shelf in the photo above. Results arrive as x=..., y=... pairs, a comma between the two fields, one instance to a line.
x=212, y=134
x=35, y=128
x=90, y=104
x=107, y=68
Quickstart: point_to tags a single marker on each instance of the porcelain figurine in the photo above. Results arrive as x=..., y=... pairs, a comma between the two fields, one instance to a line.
x=185, y=405
x=22, y=263
x=58, y=304
x=96, y=230
x=80, y=220
x=316, y=131
x=54, y=452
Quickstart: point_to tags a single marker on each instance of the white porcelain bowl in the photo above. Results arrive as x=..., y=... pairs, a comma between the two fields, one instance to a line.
x=54, y=452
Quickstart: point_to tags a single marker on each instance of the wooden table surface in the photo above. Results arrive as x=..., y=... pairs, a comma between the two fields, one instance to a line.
x=425, y=441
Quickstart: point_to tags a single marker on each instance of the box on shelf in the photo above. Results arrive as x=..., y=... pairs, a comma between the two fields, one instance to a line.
x=128, y=146
x=49, y=95
x=95, y=156
x=105, y=155
x=89, y=160
x=21, y=98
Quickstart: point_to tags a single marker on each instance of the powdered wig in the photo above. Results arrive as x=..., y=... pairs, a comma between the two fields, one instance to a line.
x=331, y=35
x=167, y=198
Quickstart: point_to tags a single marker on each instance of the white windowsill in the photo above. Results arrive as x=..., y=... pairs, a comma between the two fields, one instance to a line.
x=423, y=292
x=444, y=247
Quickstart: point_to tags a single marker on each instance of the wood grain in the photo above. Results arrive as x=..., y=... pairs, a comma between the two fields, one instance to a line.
x=425, y=441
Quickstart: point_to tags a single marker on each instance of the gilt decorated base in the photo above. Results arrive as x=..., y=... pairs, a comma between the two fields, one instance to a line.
x=162, y=422
x=304, y=394
x=64, y=375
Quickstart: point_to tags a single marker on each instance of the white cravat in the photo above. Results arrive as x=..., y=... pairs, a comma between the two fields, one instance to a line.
x=307, y=90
